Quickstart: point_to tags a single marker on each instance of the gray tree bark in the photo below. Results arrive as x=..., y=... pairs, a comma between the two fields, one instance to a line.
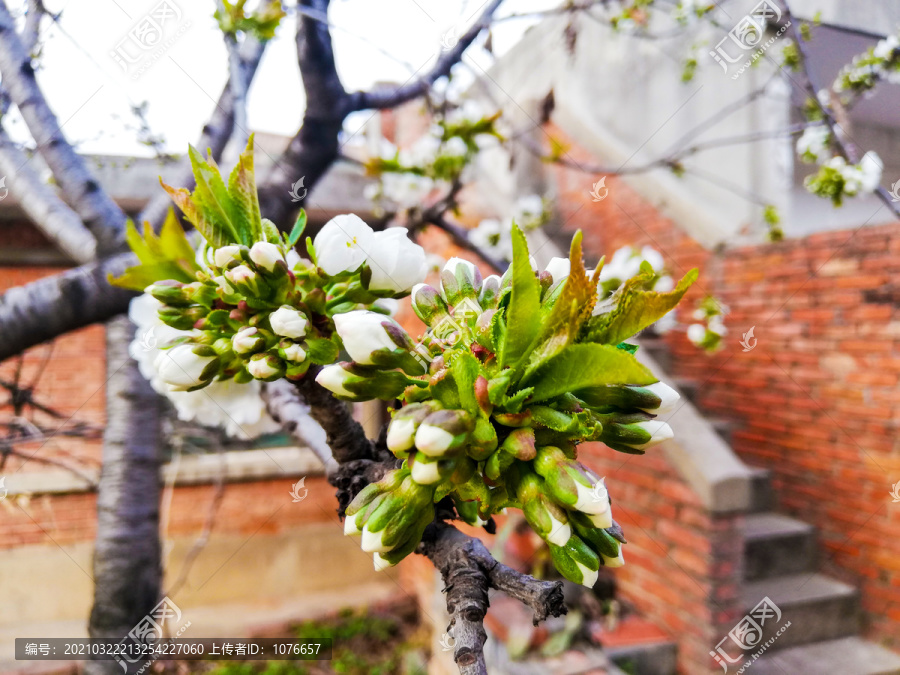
x=127, y=556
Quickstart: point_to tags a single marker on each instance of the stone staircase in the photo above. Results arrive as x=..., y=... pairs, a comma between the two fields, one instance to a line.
x=781, y=562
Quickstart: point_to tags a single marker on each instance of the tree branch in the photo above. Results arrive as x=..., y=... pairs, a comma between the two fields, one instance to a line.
x=285, y=406
x=468, y=571
x=315, y=146
x=371, y=100
x=52, y=216
x=100, y=214
x=460, y=237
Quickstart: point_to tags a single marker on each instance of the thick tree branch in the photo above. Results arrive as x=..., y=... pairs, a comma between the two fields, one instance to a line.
x=43, y=309
x=315, y=146
x=100, y=214
x=50, y=214
x=369, y=100
x=468, y=571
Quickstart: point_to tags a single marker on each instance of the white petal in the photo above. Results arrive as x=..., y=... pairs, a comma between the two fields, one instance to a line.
x=433, y=441
x=668, y=398
x=425, y=473
x=588, y=576
x=350, y=528
x=401, y=435
x=372, y=542
x=559, y=533
x=618, y=561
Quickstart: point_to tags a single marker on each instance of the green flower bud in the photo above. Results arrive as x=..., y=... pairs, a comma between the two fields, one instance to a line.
x=428, y=304
x=520, y=444
x=352, y=382
x=603, y=543
x=182, y=318
x=546, y=518
x=631, y=434
x=170, y=292
x=266, y=255
x=444, y=431
x=291, y=352
x=483, y=441
x=468, y=511
x=570, y=483
x=658, y=398
x=396, y=516
x=409, y=544
x=490, y=292
x=460, y=280
x=576, y=561
x=226, y=255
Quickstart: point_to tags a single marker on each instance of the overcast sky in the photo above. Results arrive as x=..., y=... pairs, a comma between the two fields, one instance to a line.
x=87, y=86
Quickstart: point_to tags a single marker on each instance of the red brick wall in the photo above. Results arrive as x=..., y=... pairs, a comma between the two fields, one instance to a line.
x=682, y=566
x=818, y=399
x=263, y=507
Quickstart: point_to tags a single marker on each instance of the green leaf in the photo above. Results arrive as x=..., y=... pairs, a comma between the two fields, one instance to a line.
x=524, y=305
x=297, y=230
x=588, y=365
x=245, y=201
x=212, y=197
x=631, y=349
x=632, y=308
x=466, y=369
x=321, y=351
x=167, y=256
x=563, y=323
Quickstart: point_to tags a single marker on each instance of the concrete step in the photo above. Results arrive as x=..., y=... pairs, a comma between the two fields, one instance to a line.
x=818, y=608
x=762, y=496
x=847, y=656
x=658, y=349
x=776, y=545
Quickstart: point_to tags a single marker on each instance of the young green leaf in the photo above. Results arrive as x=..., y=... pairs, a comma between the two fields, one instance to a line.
x=466, y=369
x=167, y=256
x=588, y=365
x=632, y=308
x=297, y=230
x=244, y=199
x=524, y=305
x=563, y=322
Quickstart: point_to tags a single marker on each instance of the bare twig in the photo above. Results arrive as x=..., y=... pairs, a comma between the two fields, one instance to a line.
x=285, y=405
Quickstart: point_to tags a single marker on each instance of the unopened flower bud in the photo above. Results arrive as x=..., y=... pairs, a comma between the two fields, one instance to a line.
x=636, y=436
x=427, y=470
x=244, y=279
x=576, y=561
x=443, y=431
x=559, y=268
x=289, y=322
x=266, y=255
x=182, y=368
x=490, y=292
x=226, y=254
x=373, y=339
x=460, y=279
x=571, y=483
x=547, y=519
x=266, y=367
x=520, y=444
x=658, y=398
x=428, y=304
x=353, y=382
x=402, y=429
x=170, y=292
x=291, y=351
x=247, y=340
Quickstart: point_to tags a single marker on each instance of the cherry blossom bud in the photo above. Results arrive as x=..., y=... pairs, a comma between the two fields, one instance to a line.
x=460, y=279
x=266, y=367
x=547, y=519
x=402, y=429
x=244, y=279
x=570, y=483
x=375, y=339
x=289, y=322
x=559, y=268
x=658, y=398
x=636, y=436
x=490, y=292
x=291, y=351
x=428, y=304
x=443, y=431
x=182, y=368
x=226, y=254
x=576, y=561
x=266, y=255
x=247, y=340
x=170, y=292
